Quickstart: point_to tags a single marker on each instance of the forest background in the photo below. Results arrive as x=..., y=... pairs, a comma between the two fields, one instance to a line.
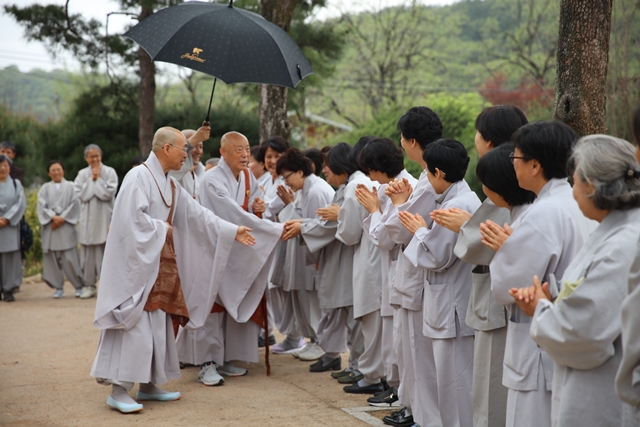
x=370, y=68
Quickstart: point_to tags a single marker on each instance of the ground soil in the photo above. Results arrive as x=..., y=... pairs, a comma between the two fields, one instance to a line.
x=47, y=348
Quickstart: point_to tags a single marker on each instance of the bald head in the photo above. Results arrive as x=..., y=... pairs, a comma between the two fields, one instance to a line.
x=166, y=135
x=188, y=133
x=230, y=138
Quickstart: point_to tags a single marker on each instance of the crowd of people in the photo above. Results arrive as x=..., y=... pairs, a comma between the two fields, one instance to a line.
x=513, y=311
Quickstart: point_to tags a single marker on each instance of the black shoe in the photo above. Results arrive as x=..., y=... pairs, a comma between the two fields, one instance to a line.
x=385, y=399
x=368, y=389
x=398, y=420
x=8, y=297
x=343, y=373
x=333, y=365
x=272, y=341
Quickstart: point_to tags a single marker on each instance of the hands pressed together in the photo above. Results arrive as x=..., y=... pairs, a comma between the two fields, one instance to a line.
x=411, y=222
x=368, y=199
x=259, y=206
x=399, y=191
x=451, y=219
x=527, y=298
x=285, y=193
x=57, y=222
x=493, y=235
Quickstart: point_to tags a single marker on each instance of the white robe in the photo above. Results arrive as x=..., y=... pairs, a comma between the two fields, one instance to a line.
x=581, y=332
x=64, y=203
x=97, y=199
x=187, y=177
x=137, y=345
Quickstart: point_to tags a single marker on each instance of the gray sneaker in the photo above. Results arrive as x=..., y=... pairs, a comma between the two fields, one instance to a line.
x=59, y=293
x=209, y=376
x=78, y=292
x=230, y=370
x=88, y=292
x=313, y=352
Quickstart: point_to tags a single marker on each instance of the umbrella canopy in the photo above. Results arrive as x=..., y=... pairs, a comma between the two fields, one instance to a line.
x=232, y=44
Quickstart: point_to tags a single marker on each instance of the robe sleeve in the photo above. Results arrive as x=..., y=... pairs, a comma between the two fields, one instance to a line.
x=290, y=211
x=318, y=233
x=374, y=224
x=105, y=188
x=350, y=218
x=422, y=203
x=432, y=249
x=71, y=213
x=45, y=213
x=510, y=269
x=15, y=213
x=469, y=246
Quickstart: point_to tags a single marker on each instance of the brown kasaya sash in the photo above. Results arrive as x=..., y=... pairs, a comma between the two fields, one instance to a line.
x=259, y=316
x=166, y=293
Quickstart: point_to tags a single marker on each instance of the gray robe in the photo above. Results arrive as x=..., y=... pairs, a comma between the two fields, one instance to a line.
x=137, y=345
x=13, y=205
x=189, y=179
x=581, y=332
x=627, y=382
x=97, y=199
x=544, y=241
x=65, y=204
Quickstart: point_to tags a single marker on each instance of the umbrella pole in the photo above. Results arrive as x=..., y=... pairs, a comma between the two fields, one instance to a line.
x=206, y=121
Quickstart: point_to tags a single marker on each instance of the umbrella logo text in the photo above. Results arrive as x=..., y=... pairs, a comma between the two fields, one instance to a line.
x=194, y=56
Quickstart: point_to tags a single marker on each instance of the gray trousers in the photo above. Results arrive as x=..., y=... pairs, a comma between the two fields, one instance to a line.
x=91, y=263
x=371, y=362
x=454, y=370
x=10, y=271
x=489, y=395
x=389, y=354
x=58, y=264
x=282, y=312
x=530, y=408
x=339, y=331
x=306, y=309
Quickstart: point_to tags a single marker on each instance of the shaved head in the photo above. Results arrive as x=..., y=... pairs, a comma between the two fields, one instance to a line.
x=231, y=137
x=166, y=135
x=188, y=133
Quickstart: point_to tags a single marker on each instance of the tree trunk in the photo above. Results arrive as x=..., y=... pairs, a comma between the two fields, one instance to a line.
x=272, y=101
x=583, y=55
x=147, y=94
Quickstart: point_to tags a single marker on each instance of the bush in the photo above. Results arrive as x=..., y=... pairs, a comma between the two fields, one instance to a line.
x=33, y=262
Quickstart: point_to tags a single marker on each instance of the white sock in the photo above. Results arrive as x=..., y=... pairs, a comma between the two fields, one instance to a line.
x=363, y=383
x=150, y=388
x=119, y=394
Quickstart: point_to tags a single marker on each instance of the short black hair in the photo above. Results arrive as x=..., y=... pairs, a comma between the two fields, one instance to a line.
x=550, y=143
x=135, y=161
x=496, y=124
x=449, y=156
x=255, y=153
x=337, y=159
x=53, y=162
x=421, y=124
x=382, y=155
x=8, y=145
x=316, y=157
x=294, y=160
x=277, y=143
x=354, y=155
x=495, y=171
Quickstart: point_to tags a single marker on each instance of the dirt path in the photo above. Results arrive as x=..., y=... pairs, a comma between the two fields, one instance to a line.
x=47, y=348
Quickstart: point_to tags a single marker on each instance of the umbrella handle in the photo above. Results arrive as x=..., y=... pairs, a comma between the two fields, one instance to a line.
x=206, y=120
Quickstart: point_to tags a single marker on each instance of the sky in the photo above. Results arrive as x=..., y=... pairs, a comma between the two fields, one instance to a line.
x=16, y=50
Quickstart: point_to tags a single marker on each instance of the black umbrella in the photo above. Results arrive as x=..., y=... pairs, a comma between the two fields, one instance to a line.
x=231, y=44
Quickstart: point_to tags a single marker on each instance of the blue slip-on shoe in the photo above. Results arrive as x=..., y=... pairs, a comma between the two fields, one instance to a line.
x=125, y=408
x=164, y=397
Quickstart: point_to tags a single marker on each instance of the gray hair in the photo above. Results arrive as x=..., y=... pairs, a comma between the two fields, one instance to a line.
x=610, y=165
x=213, y=161
x=4, y=158
x=92, y=147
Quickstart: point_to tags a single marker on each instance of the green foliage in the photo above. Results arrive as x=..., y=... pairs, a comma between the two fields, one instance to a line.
x=33, y=261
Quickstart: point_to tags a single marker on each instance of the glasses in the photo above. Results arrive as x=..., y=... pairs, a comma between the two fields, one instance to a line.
x=513, y=158
x=286, y=177
x=179, y=148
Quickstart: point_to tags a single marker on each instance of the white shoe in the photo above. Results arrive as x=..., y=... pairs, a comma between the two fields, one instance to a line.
x=297, y=352
x=209, y=376
x=314, y=352
x=59, y=293
x=88, y=292
x=230, y=370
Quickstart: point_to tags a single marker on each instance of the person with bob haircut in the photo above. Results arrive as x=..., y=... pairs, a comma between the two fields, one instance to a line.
x=419, y=127
x=494, y=127
x=256, y=166
x=630, y=364
x=383, y=161
x=542, y=243
x=317, y=159
x=335, y=268
x=58, y=213
x=447, y=282
x=299, y=284
x=580, y=328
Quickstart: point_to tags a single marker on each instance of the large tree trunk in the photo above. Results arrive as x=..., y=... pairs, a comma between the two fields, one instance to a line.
x=273, y=99
x=147, y=94
x=583, y=55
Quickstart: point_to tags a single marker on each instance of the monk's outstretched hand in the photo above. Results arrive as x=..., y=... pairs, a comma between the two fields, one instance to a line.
x=244, y=236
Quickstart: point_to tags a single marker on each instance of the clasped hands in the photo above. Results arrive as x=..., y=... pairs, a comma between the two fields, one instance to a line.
x=368, y=199
x=285, y=193
x=527, y=298
x=493, y=235
x=56, y=222
x=292, y=228
x=398, y=191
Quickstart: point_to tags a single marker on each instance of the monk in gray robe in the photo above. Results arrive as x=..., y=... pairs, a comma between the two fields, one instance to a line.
x=581, y=329
x=232, y=193
x=542, y=242
x=164, y=259
x=58, y=213
x=96, y=186
x=447, y=284
x=189, y=174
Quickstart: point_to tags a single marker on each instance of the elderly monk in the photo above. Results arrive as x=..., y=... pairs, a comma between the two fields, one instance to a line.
x=231, y=192
x=96, y=187
x=192, y=170
x=146, y=286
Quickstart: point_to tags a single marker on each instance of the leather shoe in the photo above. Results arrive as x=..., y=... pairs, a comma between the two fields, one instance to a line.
x=398, y=419
x=351, y=378
x=368, y=389
x=333, y=365
x=163, y=397
x=342, y=373
x=125, y=408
